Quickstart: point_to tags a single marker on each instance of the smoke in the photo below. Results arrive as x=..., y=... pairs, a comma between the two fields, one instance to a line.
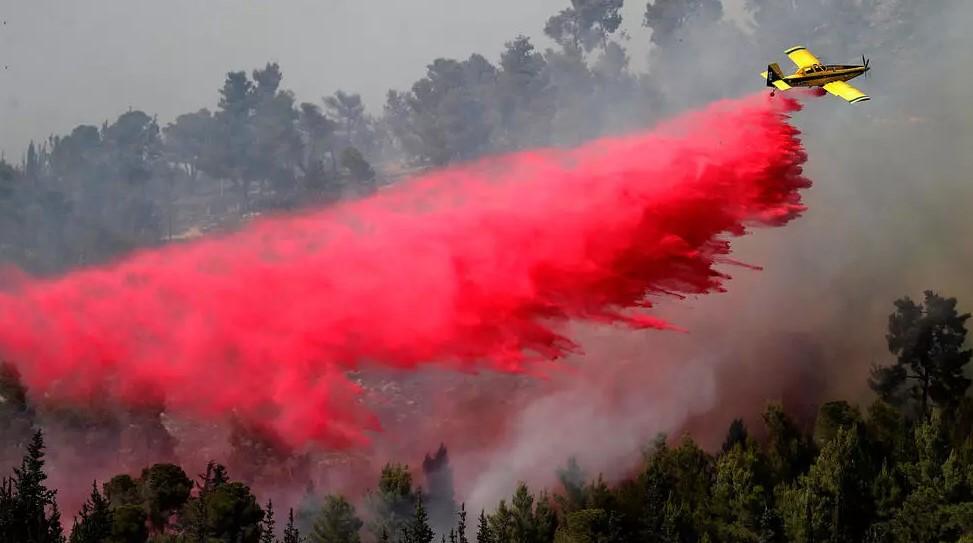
x=474, y=267
x=885, y=219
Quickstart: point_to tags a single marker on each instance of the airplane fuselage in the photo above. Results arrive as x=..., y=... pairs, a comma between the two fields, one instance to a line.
x=821, y=74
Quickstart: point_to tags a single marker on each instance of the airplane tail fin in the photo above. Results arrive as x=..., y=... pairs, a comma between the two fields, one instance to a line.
x=774, y=74
x=775, y=77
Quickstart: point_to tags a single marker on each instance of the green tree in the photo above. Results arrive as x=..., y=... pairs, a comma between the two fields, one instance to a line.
x=129, y=524
x=736, y=434
x=886, y=493
x=586, y=24
x=188, y=140
x=131, y=148
x=585, y=526
x=291, y=533
x=418, y=530
x=927, y=339
x=222, y=509
x=122, y=490
x=32, y=163
x=317, y=131
x=94, y=522
x=393, y=503
x=789, y=451
x=834, y=416
x=667, y=18
x=277, y=146
x=267, y=528
x=833, y=501
x=525, y=527
x=228, y=157
x=889, y=433
x=572, y=478
x=921, y=518
x=165, y=488
x=30, y=508
x=526, y=96
x=352, y=125
x=740, y=493
x=360, y=170
x=501, y=524
x=932, y=450
x=337, y=522
x=232, y=514
x=461, y=524
x=483, y=532
x=448, y=116
x=678, y=485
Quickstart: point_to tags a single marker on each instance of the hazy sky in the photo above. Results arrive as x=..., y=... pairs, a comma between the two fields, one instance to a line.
x=73, y=61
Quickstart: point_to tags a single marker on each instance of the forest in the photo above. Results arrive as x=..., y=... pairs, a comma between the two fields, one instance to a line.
x=896, y=467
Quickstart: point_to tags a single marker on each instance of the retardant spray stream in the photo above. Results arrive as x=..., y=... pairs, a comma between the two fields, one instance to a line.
x=477, y=266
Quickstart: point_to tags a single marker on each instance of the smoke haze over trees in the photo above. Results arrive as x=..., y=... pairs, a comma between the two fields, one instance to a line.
x=100, y=191
x=106, y=188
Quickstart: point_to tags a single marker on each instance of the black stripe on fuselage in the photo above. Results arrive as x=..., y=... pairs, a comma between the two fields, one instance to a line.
x=820, y=78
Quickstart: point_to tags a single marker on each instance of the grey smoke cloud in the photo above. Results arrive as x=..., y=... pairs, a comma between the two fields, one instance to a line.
x=85, y=62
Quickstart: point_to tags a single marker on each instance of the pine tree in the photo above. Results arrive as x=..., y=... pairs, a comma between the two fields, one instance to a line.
x=336, y=523
x=217, y=475
x=524, y=525
x=267, y=525
x=392, y=505
x=483, y=533
x=573, y=481
x=94, y=522
x=291, y=533
x=502, y=524
x=418, y=530
x=461, y=526
x=31, y=165
x=55, y=532
x=927, y=340
x=737, y=434
x=30, y=513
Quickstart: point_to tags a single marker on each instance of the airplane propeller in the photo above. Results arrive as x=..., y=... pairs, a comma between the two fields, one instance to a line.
x=865, y=65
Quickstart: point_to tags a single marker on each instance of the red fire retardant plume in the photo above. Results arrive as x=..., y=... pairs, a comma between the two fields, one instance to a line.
x=477, y=266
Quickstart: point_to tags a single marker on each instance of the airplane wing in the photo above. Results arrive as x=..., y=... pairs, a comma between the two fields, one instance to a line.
x=846, y=91
x=801, y=56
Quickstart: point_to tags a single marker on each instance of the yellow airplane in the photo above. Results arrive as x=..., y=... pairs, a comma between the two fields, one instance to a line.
x=811, y=73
